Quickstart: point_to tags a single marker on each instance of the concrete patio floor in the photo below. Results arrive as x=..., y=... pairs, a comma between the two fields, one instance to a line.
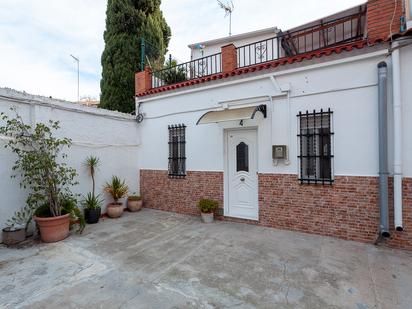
x=155, y=259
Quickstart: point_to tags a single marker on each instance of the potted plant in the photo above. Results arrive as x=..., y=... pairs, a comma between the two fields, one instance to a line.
x=16, y=227
x=117, y=188
x=43, y=172
x=134, y=202
x=92, y=208
x=207, y=207
x=91, y=202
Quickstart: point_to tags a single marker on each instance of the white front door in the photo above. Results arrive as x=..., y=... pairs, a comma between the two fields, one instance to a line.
x=242, y=178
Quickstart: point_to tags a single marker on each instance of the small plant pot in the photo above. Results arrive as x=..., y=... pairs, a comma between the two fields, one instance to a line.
x=53, y=229
x=13, y=237
x=207, y=217
x=92, y=216
x=114, y=210
x=134, y=205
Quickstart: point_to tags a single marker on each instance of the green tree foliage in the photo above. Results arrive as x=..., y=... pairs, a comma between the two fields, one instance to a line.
x=41, y=167
x=127, y=21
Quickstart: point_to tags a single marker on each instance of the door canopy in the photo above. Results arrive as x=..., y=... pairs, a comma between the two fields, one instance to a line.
x=242, y=113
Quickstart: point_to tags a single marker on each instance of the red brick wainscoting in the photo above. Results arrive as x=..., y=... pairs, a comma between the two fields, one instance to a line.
x=180, y=195
x=348, y=209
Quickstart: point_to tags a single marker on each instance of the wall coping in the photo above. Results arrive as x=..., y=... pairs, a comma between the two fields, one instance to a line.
x=22, y=97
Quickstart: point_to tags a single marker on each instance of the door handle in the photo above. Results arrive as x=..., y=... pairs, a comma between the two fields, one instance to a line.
x=242, y=179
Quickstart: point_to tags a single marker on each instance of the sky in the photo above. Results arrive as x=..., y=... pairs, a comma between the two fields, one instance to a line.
x=37, y=37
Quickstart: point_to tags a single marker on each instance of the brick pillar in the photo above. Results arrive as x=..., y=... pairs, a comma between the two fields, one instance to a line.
x=143, y=80
x=229, y=58
x=379, y=16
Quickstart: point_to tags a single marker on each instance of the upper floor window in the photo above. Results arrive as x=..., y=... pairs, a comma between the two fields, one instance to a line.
x=316, y=148
x=177, y=151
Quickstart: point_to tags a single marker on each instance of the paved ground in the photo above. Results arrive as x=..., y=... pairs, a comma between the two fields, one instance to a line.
x=154, y=259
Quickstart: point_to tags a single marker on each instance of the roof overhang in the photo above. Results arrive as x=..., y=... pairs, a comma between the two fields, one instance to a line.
x=241, y=113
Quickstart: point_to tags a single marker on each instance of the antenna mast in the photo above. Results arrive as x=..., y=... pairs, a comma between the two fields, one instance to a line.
x=228, y=7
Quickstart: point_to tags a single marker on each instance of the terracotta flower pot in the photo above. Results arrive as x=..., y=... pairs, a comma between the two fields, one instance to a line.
x=207, y=217
x=114, y=210
x=53, y=229
x=134, y=205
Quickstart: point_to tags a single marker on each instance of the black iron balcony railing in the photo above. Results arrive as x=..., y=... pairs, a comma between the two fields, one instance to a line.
x=323, y=35
x=201, y=67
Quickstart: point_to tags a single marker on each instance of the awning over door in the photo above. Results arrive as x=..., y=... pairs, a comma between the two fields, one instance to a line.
x=242, y=113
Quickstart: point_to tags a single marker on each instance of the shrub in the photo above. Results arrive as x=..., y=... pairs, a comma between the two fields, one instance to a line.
x=207, y=206
x=117, y=188
x=40, y=165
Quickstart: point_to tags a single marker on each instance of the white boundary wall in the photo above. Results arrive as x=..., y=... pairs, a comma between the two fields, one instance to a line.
x=111, y=136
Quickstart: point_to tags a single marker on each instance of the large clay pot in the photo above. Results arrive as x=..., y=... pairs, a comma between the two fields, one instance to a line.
x=114, y=210
x=13, y=236
x=134, y=205
x=53, y=229
x=207, y=217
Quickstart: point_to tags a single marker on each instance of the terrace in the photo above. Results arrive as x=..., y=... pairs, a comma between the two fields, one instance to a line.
x=156, y=259
x=285, y=45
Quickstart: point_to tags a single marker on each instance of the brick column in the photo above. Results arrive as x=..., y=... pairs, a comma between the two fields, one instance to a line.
x=143, y=80
x=379, y=16
x=229, y=58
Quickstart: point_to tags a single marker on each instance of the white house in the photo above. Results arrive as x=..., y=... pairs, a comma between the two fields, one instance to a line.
x=300, y=129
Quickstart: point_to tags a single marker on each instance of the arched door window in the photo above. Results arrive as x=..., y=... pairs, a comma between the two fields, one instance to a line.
x=242, y=157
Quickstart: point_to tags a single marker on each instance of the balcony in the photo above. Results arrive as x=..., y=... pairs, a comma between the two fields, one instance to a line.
x=287, y=44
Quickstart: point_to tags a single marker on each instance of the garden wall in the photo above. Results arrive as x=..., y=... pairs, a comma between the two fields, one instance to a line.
x=111, y=136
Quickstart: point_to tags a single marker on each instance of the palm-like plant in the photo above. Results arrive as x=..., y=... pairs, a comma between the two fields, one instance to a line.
x=117, y=188
x=92, y=163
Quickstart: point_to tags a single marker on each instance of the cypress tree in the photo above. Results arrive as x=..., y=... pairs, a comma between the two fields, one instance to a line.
x=127, y=21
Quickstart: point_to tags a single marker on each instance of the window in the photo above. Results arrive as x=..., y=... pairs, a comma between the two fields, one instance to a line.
x=315, y=143
x=177, y=151
x=242, y=157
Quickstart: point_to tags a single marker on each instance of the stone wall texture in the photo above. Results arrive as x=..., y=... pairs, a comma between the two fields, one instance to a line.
x=348, y=209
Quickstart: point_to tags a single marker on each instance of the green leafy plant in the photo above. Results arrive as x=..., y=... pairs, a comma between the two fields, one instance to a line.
x=207, y=206
x=91, y=201
x=40, y=162
x=92, y=163
x=134, y=197
x=117, y=188
x=172, y=73
x=21, y=218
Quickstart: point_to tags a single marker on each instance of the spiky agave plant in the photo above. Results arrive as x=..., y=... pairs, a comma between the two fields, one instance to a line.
x=117, y=188
x=91, y=201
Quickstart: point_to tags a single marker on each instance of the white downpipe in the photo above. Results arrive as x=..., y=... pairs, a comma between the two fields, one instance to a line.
x=397, y=130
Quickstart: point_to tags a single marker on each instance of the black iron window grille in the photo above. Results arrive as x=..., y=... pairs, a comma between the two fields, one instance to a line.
x=316, y=147
x=177, y=151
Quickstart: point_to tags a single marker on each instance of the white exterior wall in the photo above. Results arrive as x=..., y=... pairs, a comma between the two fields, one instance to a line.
x=406, y=88
x=111, y=136
x=347, y=87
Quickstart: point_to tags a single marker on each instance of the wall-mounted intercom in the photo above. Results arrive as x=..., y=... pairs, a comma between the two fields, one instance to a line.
x=280, y=152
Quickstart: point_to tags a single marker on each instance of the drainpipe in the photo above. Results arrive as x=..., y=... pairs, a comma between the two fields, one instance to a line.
x=397, y=131
x=383, y=150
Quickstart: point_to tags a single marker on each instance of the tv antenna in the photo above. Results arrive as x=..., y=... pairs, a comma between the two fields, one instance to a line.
x=228, y=7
